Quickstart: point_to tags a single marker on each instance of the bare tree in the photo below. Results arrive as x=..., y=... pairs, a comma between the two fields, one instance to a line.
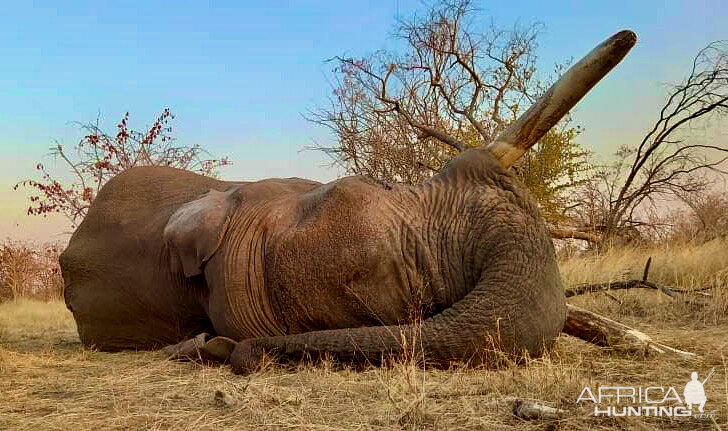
x=669, y=161
x=401, y=118
x=705, y=219
x=28, y=271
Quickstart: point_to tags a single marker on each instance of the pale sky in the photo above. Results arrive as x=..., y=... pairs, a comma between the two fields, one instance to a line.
x=238, y=76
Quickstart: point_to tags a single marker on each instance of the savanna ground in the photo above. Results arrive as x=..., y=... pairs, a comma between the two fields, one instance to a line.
x=47, y=381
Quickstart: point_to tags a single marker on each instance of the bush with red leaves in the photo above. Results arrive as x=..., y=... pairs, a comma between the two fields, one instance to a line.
x=99, y=157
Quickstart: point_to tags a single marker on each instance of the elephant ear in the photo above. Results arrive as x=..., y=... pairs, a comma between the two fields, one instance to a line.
x=195, y=231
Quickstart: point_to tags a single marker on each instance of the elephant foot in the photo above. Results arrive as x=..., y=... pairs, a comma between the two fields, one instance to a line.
x=202, y=348
x=218, y=349
x=247, y=357
x=188, y=349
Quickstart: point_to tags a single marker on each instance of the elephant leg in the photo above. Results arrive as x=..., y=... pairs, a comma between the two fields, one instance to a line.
x=203, y=347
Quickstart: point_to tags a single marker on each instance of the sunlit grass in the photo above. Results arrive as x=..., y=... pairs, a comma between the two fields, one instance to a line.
x=47, y=381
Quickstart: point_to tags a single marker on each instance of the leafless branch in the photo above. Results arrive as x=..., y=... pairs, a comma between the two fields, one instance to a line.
x=669, y=161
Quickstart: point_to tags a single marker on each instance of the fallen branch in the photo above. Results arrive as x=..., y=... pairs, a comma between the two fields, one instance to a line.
x=581, y=289
x=606, y=332
x=672, y=292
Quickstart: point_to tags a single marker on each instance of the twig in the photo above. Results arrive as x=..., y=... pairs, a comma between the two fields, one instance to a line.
x=647, y=269
x=612, y=297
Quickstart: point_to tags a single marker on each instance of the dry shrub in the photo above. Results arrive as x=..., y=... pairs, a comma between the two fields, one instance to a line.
x=30, y=271
x=707, y=219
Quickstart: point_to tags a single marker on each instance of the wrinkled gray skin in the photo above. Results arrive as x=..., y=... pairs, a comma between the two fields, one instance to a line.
x=294, y=267
x=299, y=266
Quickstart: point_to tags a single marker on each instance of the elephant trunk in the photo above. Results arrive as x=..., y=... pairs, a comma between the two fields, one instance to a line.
x=517, y=306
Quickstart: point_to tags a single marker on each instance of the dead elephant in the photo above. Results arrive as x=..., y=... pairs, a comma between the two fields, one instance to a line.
x=294, y=267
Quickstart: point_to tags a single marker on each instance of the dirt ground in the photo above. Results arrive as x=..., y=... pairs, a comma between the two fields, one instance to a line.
x=47, y=381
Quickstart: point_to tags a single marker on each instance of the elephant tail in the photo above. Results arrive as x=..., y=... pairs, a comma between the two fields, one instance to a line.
x=518, y=306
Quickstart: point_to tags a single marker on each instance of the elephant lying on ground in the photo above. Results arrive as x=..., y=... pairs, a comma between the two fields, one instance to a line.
x=293, y=267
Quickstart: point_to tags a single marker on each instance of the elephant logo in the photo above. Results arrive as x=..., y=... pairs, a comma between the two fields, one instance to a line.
x=694, y=392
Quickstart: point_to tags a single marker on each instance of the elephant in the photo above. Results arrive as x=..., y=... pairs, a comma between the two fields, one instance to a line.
x=292, y=267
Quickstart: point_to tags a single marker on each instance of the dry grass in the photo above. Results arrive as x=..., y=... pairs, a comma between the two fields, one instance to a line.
x=48, y=382
x=684, y=266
